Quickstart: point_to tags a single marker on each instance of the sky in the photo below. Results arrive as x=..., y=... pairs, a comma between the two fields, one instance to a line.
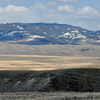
x=83, y=13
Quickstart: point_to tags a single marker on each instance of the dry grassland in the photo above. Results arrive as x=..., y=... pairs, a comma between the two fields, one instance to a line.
x=39, y=62
x=50, y=96
x=48, y=57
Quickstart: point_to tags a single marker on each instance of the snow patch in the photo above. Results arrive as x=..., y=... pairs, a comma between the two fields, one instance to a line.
x=76, y=31
x=97, y=41
x=13, y=25
x=80, y=36
x=50, y=28
x=68, y=28
x=13, y=32
x=32, y=37
x=37, y=27
x=45, y=33
x=36, y=36
x=21, y=28
x=4, y=23
x=65, y=35
x=72, y=35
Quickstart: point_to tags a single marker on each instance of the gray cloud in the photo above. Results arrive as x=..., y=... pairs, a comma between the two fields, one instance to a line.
x=66, y=8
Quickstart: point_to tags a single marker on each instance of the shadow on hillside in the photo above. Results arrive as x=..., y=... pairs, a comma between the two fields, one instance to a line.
x=78, y=80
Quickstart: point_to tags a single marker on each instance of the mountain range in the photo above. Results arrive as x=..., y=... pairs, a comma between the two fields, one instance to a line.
x=46, y=33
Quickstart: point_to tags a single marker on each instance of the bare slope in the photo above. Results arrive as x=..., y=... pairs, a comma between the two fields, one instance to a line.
x=78, y=80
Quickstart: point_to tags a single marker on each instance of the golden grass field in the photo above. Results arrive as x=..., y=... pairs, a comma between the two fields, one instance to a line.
x=40, y=62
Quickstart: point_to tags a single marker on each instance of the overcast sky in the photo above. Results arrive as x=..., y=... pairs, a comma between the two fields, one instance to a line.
x=84, y=13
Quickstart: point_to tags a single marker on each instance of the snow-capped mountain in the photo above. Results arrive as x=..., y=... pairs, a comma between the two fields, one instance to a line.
x=46, y=33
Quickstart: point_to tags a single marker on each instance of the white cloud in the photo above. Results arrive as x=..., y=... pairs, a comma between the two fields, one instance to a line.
x=68, y=0
x=39, y=6
x=86, y=13
x=86, y=17
x=52, y=3
x=11, y=8
x=11, y=14
x=87, y=10
x=52, y=17
x=1, y=10
x=66, y=8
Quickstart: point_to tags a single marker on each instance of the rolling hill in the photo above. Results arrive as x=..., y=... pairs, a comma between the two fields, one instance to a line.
x=46, y=33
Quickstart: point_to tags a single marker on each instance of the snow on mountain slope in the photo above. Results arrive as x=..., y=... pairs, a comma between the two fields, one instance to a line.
x=33, y=37
x=65, y=35
x=14, y=32
x=21, y=28
x=72, y=35
x=46, y=33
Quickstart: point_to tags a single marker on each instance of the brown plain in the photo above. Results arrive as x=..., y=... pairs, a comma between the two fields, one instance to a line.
x=48, y=57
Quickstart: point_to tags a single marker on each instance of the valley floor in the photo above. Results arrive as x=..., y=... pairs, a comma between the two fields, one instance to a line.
x=40, y=62
x=48, y=57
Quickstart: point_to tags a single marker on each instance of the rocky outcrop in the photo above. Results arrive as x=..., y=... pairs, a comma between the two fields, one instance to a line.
x=79, y=80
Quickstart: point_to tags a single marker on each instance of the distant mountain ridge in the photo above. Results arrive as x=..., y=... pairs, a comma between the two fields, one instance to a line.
x=46, y=33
